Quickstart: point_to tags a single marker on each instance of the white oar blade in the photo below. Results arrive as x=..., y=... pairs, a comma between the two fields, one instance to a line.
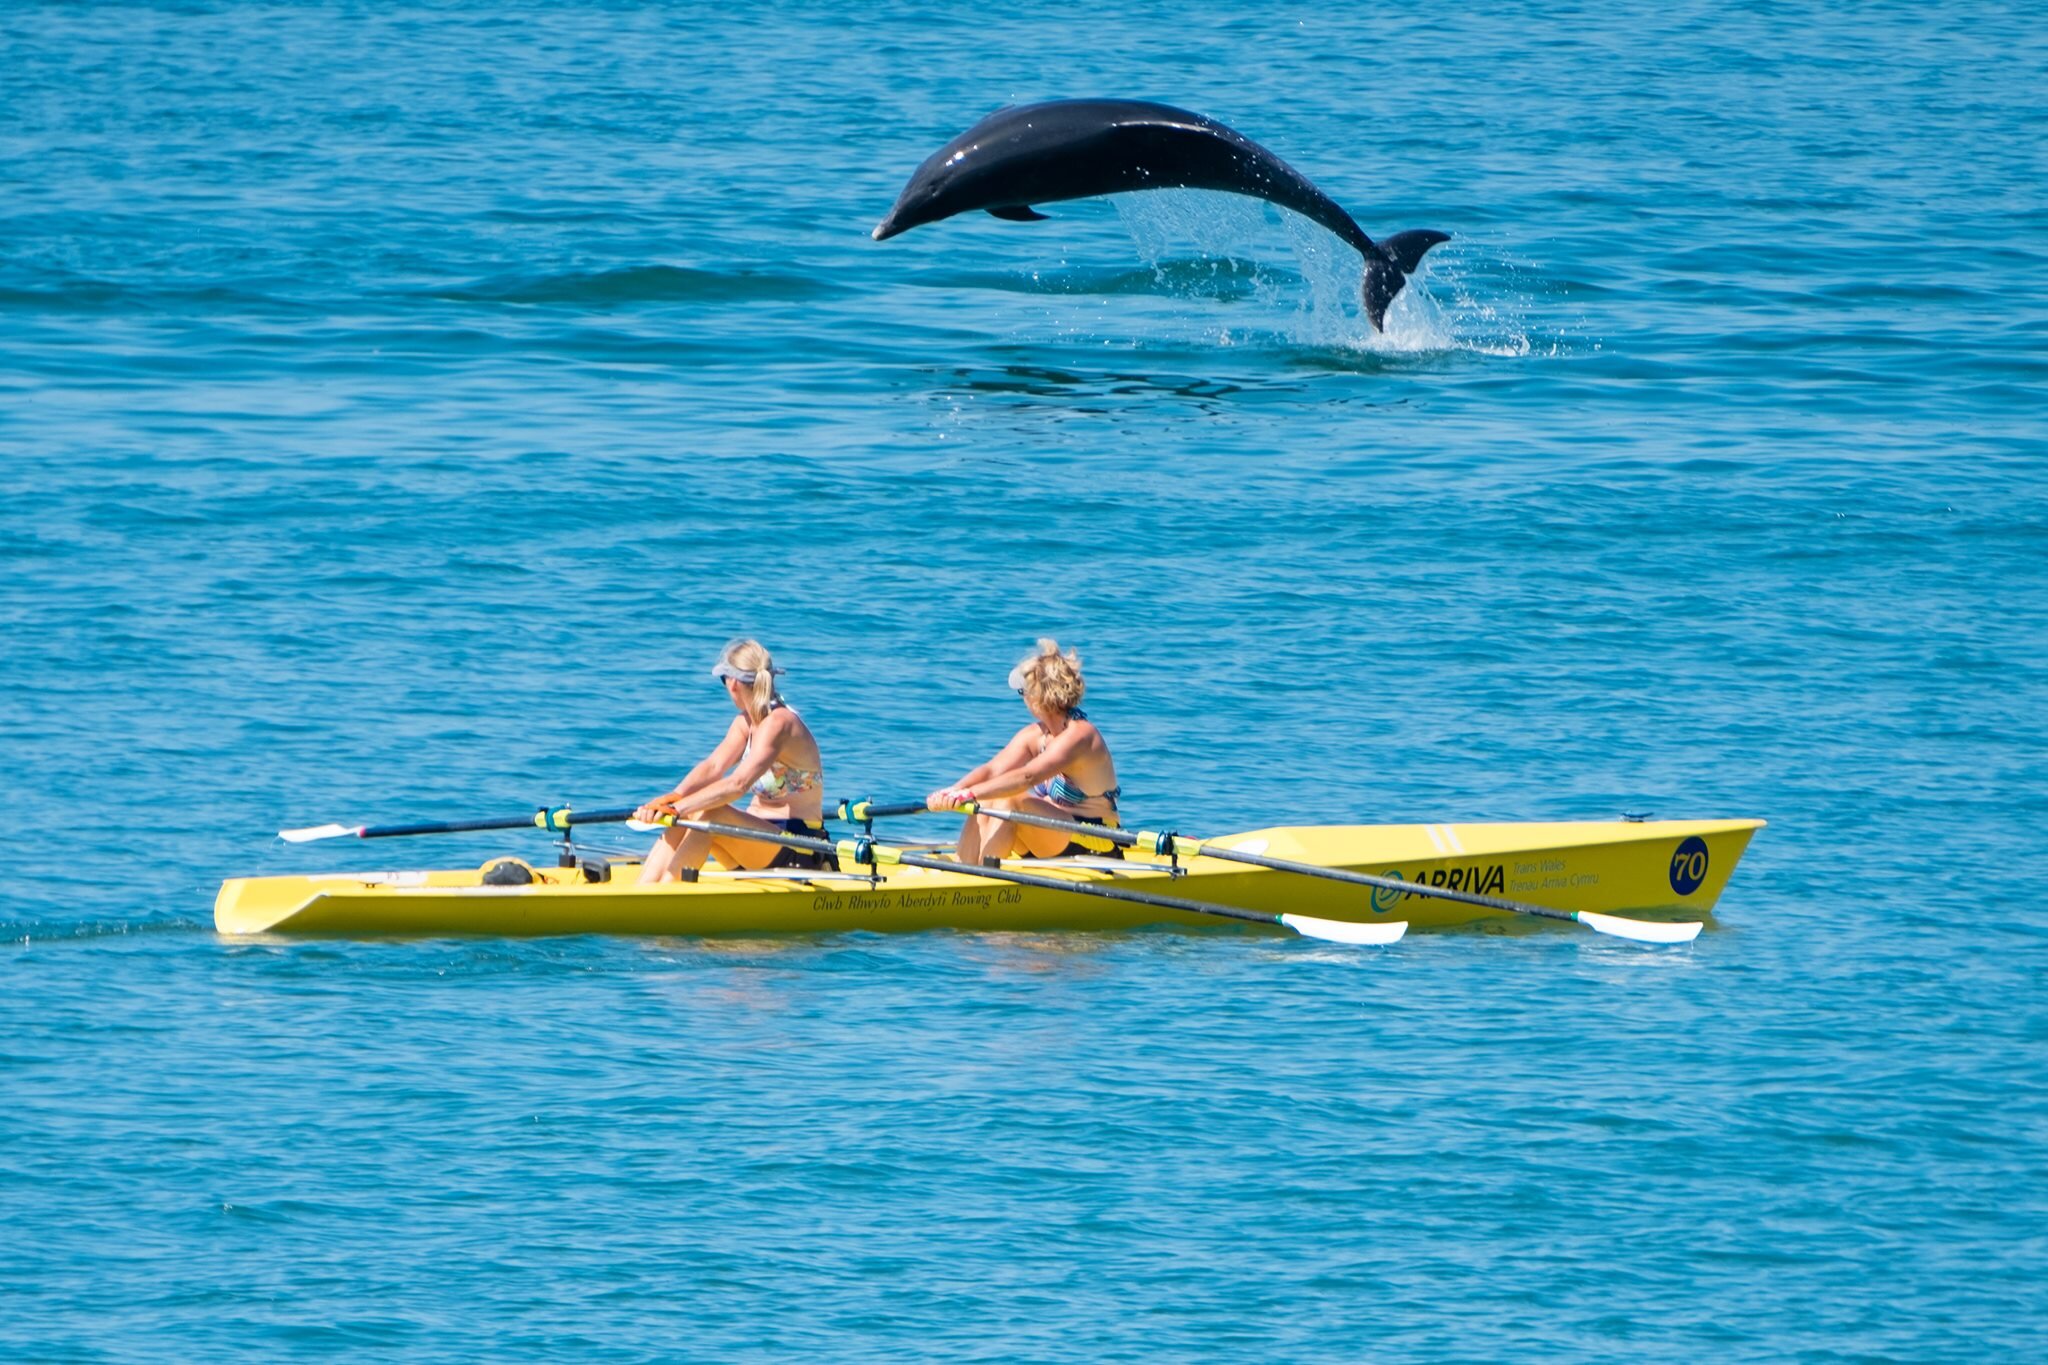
x=1343, y=931
x=1642, y=931
x=312, y=832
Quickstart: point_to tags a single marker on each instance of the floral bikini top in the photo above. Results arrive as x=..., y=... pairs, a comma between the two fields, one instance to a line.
x=782, y=781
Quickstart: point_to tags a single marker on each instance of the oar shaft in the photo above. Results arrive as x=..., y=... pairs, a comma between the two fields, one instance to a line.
x=863, y=850
x=555, y=818
x=1193, y=848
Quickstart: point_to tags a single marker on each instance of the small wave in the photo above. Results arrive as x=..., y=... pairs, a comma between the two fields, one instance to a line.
x=87, y=294
x=562, y=215
x=1041, y=381
x=636, y=284
x=81, y=295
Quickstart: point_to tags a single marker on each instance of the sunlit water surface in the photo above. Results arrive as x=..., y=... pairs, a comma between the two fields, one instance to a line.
x=400, y=406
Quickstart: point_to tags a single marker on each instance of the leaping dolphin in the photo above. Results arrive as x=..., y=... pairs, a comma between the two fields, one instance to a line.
x=1076, y=149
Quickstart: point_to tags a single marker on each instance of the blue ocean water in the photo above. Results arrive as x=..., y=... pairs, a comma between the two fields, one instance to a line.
x=399, y=405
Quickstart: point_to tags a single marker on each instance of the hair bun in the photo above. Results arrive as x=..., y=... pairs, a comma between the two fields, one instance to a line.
x=1050, y=676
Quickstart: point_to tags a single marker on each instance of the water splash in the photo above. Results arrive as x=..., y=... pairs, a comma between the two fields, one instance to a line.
x=1166, y=224
x=1439, y=310
x=1420, y=321
x=1173, y=228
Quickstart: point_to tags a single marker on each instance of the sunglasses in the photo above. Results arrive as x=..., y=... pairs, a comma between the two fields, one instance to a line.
x=725, y=672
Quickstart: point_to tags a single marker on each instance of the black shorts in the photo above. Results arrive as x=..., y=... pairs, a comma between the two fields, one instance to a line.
x=1076, y=849
x=801, y=859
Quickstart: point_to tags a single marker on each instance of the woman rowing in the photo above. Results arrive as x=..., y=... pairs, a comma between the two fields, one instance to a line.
x=768, y=759
x=1057, y=766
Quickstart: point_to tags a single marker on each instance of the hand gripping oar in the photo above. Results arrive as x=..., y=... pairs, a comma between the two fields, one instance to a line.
x=866, y=851
x=556, y=819
x=1642, y=931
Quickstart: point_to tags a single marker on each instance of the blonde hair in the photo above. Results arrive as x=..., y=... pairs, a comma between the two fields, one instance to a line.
x=748, y=656
x=1050, y=678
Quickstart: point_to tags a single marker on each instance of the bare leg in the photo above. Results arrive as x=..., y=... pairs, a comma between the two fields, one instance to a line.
x=1040, y=843
x=984, y=836
x=743, y=853
x=675, y=850
x=654, y=868
x=695, y=846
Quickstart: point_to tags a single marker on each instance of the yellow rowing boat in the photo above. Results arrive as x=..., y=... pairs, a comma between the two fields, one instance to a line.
x=1662, y=869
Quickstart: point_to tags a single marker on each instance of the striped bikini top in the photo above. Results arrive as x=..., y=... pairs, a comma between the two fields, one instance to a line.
x=1060, y=790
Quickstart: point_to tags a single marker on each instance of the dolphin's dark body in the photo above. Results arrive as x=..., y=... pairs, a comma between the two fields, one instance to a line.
x=1076, y=149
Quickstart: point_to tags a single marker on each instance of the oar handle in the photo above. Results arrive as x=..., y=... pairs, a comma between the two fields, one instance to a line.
x=869, y=810
x=865, y=809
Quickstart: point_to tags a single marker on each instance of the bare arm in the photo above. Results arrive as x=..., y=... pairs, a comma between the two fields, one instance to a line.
x=1012, y=757
x=717, y=761
x=1035, y=769
x=757, y=760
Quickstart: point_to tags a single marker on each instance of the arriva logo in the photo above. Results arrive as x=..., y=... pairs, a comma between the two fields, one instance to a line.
x=1482, y=881
x=1689, y=866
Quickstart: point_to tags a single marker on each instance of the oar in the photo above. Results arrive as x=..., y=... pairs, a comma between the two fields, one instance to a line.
x=557, y=819
x=867, y=851
x=1642, y=931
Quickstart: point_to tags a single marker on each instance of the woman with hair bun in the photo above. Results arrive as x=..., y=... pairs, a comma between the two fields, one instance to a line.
x=1057, y=766
x=767, y=759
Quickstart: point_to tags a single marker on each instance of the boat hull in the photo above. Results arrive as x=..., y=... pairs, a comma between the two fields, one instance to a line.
x=1667, y=869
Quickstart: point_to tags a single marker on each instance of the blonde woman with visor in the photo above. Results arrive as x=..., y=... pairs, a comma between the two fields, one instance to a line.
x=768, y=760
x=1057, y=766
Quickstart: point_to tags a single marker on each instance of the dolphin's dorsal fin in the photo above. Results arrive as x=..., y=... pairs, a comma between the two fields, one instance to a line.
x=1017, y=213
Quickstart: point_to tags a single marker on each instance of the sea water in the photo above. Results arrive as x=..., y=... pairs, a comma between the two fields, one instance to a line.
x=400, y=405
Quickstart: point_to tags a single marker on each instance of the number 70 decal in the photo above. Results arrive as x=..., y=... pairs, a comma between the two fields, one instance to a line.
x=1689, y=866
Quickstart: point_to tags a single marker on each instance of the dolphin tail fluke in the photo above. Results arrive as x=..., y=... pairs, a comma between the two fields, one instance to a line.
x=1401, y=253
